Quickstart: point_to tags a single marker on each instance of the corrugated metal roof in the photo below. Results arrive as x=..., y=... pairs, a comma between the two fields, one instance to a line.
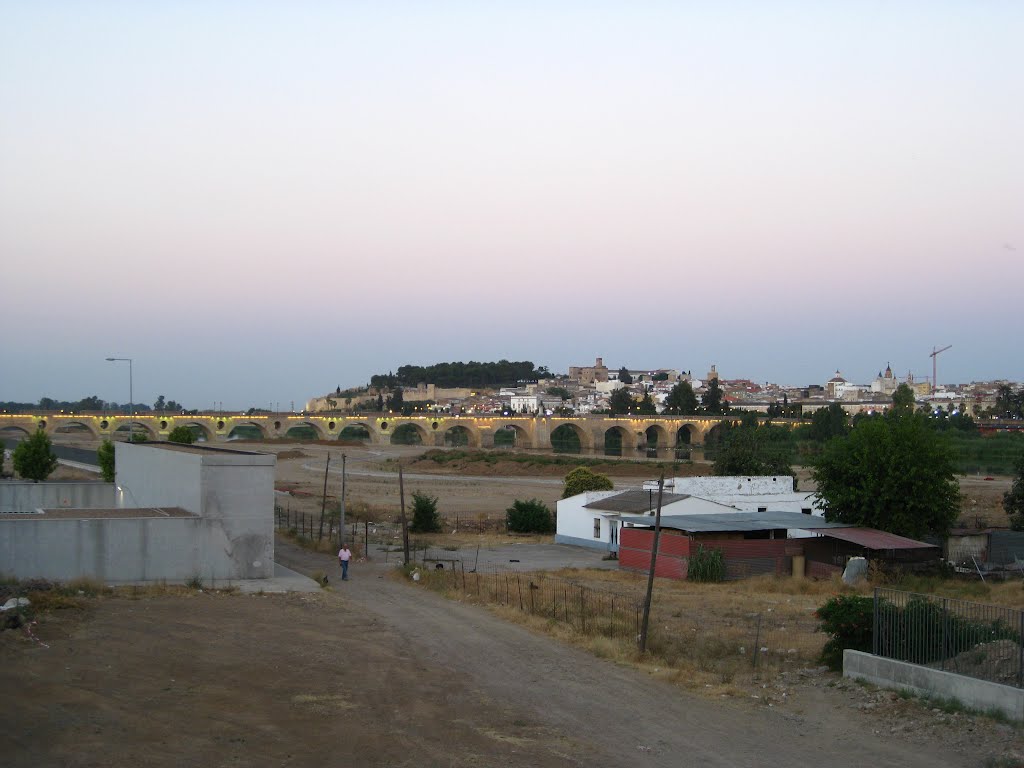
x=872, y=539
x=634, y=501
x=736, y=521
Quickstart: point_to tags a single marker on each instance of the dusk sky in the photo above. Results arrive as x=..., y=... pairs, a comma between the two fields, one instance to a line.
x=258, y=202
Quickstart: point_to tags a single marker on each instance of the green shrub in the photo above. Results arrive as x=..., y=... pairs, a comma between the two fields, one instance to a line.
x=583, y=479
x=424, y=514
x=34, y=458
x=105, y=455
x=181, y=434
x=531, y=516
x=706, y=565
x=848, y=620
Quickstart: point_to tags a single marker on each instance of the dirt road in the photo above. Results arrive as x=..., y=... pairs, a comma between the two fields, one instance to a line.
x=384, y=673
x=612, y=715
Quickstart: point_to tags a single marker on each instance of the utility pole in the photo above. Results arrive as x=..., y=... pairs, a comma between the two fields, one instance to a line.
x=654, y=562
x=341, y=521
x=405, y=522
x=934, y=356
x=323, y=501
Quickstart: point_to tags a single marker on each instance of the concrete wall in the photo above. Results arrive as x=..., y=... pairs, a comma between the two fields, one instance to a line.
x=23, y=497
x=925, y=681
x=233, y=492
x=150, y=476
x=113, y=550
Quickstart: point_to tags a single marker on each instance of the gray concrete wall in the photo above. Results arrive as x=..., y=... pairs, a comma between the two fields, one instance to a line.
x=23, y=497
x=233, y=491
x=150, y=476
x=112, y=550
x=925, y=681
x=575, y=541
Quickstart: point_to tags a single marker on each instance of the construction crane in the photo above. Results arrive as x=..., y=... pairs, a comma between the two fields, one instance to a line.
x=935, y=353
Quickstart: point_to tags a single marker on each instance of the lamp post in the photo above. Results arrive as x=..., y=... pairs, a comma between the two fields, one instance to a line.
x=131, y=393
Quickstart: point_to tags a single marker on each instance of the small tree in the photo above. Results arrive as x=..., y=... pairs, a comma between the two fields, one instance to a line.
x=582, y=479
x=1013, y=499
x=105, y=454
x=532, y=516
x=181, y=434
x=424, y=514
x=34, y=458
x=713, y=400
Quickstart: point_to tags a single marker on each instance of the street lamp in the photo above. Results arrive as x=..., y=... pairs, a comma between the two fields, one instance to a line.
x=131, y=393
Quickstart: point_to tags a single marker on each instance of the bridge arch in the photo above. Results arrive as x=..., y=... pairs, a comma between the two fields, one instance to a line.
x=617, y=440
x=356, y=431
x=408, y=433
x=199, y=430
x=458, y=435
x=243, y=430
x=66, y=427
x=656, y=437
x=568, y=437
x=511, y=436
x=685, y=435
x=15, y=430
x=302, y=426
x=128, y=428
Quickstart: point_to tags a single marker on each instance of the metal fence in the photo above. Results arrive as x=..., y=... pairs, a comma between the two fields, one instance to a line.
x=973, y=639
x=590, y=610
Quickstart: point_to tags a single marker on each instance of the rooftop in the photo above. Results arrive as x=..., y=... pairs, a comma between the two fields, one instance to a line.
x=735, y=521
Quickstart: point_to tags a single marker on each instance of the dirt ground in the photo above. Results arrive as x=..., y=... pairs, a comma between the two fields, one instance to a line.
x=381, y=672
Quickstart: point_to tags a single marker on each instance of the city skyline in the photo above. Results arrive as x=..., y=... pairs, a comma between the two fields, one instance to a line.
x=260, y=203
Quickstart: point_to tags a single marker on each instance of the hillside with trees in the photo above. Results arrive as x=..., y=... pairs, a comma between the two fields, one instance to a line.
x=503, y=373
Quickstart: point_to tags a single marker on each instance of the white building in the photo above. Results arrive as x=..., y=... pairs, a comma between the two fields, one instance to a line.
x=591, y=519
x=526, y=403
x=766, y=493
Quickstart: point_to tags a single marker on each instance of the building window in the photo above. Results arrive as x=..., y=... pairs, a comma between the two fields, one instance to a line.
x=806, y=511
x=597, y=527
x=762, y=509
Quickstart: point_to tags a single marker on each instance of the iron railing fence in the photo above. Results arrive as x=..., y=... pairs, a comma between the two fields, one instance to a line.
x=973, y=639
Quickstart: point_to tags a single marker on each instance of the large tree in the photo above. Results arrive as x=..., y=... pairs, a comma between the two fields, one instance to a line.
x=755, y=449
x=624, y=376
x=829, y=422
x=681, y=400
x=714, y=400
x=34, y=458
x=891, y=472
x=621, y=401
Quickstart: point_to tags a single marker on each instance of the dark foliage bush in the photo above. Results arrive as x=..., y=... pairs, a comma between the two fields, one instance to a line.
x=531, y=516
x=848, y=620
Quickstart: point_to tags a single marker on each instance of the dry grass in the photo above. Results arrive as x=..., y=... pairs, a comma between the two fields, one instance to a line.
x=715, y=638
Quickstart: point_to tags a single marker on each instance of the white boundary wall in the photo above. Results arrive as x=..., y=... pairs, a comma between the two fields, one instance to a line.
x=925, y=681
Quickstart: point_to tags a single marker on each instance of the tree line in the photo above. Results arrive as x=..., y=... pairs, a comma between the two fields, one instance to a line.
x=503, y=373
x=90, y=403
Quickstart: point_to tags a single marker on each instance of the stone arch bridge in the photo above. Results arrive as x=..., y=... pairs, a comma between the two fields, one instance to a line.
x=594, y=433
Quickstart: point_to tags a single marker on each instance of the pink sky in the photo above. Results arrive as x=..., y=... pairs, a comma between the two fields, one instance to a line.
x=258, y=203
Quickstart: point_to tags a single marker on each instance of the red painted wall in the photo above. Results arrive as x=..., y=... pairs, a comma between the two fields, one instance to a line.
x=743, y=557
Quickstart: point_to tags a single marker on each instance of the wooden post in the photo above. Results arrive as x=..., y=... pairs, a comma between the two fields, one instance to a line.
x=341, y=508
x=405, y=522
x=654, y=562
x=366, y=539
x=323, y=501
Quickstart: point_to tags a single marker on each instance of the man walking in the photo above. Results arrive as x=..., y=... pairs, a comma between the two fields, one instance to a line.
x=344, y=555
